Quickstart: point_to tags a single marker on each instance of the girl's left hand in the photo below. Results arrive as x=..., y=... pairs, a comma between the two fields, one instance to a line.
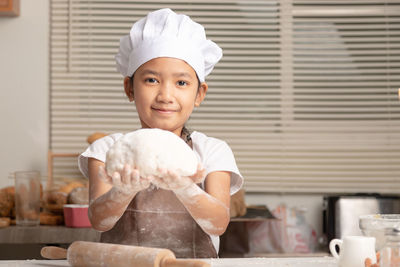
x=173, y=181
x=198, y=177
x=368, y=261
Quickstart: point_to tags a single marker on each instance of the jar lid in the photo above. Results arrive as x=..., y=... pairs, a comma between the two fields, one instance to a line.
x=394, y=231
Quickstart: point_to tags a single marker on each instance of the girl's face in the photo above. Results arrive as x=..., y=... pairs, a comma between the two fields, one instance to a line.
x=165, y=91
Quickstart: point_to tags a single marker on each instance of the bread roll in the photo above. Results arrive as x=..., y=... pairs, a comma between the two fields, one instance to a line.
x=57, y=198
x=47, y=218
x=70, y=186
x=238, y=204
x=79, y=195
x=4, y=222
x=7, y=201
x=93, y=137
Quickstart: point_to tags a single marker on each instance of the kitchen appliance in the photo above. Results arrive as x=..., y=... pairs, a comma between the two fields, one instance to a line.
x=341, y=212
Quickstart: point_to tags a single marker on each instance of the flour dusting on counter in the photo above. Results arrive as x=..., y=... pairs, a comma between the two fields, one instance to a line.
x=275, y=262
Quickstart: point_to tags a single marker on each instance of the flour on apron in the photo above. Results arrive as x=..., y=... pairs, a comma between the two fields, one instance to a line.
x=156, y=218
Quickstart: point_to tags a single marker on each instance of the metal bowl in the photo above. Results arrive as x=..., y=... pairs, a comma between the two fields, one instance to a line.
x=375, y=224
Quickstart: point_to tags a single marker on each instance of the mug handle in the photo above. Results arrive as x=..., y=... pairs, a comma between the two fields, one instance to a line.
x=332, y=247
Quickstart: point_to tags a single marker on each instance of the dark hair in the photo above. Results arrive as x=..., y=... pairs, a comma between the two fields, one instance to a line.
x=185, y=134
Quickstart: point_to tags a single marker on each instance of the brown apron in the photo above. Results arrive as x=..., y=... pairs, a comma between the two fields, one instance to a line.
x=156, y=218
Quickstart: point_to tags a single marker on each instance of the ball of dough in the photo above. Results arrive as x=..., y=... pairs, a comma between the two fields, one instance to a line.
x=79, y=195
x=149, y=150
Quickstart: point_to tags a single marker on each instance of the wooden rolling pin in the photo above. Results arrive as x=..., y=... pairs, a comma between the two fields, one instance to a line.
x=91, y=254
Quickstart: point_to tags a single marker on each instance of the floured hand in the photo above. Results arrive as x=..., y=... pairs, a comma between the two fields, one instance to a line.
x=368, y=261
x=171, y=180
x=127, y=181
x=199, y=176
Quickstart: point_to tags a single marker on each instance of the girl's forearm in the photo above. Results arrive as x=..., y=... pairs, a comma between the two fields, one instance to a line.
x=211, y=214
x=105, y=211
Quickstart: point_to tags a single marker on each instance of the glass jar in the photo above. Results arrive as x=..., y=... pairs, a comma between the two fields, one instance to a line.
x=390, y=253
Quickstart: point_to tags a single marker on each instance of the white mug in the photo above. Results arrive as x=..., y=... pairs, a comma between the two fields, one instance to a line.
x=353, y=250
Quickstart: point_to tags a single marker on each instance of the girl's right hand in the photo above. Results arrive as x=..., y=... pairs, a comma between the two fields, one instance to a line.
x=127, y=181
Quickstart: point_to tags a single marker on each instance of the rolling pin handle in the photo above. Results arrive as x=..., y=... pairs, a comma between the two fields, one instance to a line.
x=170, y=262
x=53, y=253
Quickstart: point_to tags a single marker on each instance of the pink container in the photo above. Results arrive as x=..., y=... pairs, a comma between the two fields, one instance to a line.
x=76, y=215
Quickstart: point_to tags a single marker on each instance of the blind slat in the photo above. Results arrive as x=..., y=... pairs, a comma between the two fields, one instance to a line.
x=305, y=95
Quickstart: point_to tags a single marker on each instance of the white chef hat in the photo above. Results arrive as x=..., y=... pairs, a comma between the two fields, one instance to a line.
x=163, y=33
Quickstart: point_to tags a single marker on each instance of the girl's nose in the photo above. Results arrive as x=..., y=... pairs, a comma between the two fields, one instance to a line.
x=165, y=93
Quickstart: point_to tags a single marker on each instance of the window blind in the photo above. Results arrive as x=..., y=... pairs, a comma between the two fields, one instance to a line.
x=305, y=95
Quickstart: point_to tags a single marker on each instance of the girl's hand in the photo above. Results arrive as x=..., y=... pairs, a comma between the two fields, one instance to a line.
x=368, y=261
x=198, y=177
x=173, y=181
x=127, y=181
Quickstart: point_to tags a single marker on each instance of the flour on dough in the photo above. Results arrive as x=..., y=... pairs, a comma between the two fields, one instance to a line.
x=149, y=150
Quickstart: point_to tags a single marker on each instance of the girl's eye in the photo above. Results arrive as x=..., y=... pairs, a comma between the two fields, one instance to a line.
x=182, y=83
x=151, y=80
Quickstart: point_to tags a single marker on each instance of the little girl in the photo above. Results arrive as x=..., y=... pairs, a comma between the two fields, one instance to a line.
x=164, y=61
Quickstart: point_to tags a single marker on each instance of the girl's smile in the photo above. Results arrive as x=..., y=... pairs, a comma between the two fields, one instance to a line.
x=164, y=110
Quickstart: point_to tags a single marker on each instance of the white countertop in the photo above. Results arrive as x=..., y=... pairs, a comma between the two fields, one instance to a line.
x=237, y=262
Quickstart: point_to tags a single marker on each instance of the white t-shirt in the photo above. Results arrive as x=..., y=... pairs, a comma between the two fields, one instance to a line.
x=213, y=154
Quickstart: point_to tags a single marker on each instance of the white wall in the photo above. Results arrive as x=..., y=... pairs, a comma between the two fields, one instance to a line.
x=24, y=104
x=24, y=90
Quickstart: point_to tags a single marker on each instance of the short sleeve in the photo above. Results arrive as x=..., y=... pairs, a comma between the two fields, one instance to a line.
x=216, y=155
x=97, y=150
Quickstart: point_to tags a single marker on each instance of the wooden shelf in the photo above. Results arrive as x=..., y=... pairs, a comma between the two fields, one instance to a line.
x=44, y=234
x=9, y=8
